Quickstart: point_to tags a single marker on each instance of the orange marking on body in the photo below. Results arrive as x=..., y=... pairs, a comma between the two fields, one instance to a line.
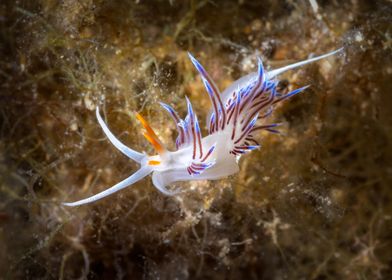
x=150, y=135
x=154, y=162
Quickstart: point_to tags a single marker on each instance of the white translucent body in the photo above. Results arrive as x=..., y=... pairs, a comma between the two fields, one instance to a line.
x=175, y=163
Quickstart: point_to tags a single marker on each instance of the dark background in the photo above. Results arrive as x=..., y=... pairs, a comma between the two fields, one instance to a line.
x=313, y=203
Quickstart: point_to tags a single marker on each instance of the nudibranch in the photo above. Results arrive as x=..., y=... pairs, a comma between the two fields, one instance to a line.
x=236, y=115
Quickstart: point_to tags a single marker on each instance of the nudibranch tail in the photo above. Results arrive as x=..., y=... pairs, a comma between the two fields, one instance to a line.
x=276, y=72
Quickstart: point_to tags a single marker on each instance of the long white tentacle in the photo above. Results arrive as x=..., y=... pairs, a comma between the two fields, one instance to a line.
x=132, y=154
x=138, y=175
x=278, y=71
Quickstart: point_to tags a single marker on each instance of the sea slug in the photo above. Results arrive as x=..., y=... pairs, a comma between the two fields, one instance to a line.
x=237, y=113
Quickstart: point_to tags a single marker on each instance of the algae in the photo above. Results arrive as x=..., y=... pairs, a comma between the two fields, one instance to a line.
x=313, y=203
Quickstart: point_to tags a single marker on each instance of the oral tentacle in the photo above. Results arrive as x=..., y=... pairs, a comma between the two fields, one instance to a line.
x=132, y=154
x=138, y=175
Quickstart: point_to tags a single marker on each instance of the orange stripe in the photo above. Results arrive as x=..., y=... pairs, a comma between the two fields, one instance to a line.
x=150, y=135
x=157, y=146
x=154, y=162
x=146, y=126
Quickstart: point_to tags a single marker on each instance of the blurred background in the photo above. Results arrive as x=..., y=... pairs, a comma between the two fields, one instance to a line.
x=313, y=203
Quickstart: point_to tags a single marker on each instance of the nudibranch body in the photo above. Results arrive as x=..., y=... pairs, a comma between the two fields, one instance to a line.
x=237, y=113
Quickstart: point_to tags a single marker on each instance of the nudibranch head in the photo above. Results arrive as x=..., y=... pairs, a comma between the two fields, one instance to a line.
x=236, y=115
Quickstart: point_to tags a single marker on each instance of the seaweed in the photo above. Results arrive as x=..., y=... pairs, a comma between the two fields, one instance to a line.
x=313, y=203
